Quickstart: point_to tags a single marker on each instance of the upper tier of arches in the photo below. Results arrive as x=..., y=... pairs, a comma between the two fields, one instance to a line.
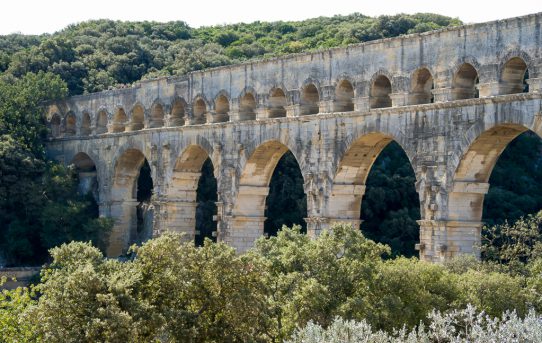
x=467, y=79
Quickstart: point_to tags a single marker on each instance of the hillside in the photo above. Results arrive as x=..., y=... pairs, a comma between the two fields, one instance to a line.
x=97, y=55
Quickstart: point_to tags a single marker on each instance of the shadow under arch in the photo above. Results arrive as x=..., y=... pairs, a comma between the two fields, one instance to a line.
x=129, y=165
x=248, y=212
x=182, y=207
x=87, y=175
x=351, y=183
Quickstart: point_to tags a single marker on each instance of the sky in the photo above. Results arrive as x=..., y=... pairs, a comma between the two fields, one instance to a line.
x=48, y=16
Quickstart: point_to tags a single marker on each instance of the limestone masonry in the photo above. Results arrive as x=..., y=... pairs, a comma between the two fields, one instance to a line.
x=453, y=99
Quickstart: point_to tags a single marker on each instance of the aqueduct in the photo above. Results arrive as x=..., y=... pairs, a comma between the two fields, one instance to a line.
x=453, y=99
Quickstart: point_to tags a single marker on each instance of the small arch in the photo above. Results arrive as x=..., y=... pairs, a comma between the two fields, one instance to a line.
x=513, y=76
x=70, y=124
x=464, y=82
x=119, y=121
x=277, y=103
x=85, y=128
x=101, y=122
x=222, y=109
x=380, y=92
x=157, y=116
x=310, y=99
x=138, y=118
x=247, y=107
x=344, y=96
x=55, y=125
x=178, y=113
x=421, y=85
x=199, y=111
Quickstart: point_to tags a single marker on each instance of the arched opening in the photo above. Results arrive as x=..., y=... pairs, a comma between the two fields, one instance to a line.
x=375, y=186
x=55, y=125
x=86, y=175
x=514, y=76
x=277, y=104
x=101, y=122
x=380, y=93
x=119, y=121
x=286, y=203
x=344, y=95
x=249, y=209
x=310, y=99
x=177, y=115
x=515, y=184
x=464, y=83
x=85, y=124
x=71, y=124
x=247, y=107
x=222, y=109
x=131, y=205
x=157, y=116
x=194, y=190
x=138, y=118
x=471, y=184
x=199, y=111
x=421, y=85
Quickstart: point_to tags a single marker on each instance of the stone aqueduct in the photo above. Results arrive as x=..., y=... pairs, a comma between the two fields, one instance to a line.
x=453, y=99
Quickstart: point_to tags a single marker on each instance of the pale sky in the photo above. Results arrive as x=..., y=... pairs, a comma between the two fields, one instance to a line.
x=41, y=16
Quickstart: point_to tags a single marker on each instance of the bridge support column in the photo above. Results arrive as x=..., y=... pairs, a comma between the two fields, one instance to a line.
x=179, y=216
x=361, y=104
x=399, y=99
x=441, y=240
x=125, y=214
x=243, y=232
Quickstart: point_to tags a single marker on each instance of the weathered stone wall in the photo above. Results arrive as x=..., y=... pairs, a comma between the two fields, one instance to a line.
x=325, y=108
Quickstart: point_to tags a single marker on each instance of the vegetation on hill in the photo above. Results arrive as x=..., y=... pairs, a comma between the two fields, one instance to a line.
x=95, y=55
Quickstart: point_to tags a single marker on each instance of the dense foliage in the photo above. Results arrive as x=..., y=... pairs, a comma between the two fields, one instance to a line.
x=39, y=203
x=176, y=292
x=96, y=55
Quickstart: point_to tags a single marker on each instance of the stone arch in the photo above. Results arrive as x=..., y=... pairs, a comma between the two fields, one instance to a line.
x=277, y=102
x=85, y=168
x=464, y=82
x=55, y=124
x=101, y=122
x=157, y=115
x=247, y=105
x=123, y=208
x=182, y=190
x=178, y=112
x=344, y=96
x=310, y=98
x=137, y=121
x=70, y=124
x=85, y=128
x=379, y=93
x=119, y=120
x=421, y=85
x=350, y=177
x=513, y=75
x=248, y=212
x=199, y=110
x=222, y=107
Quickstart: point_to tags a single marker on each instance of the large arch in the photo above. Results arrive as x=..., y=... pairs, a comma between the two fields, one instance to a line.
x=470, y=185
x=85, y=167
x=124, y=202
x=248, y=218
x=348, y=188
x=182, y=190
